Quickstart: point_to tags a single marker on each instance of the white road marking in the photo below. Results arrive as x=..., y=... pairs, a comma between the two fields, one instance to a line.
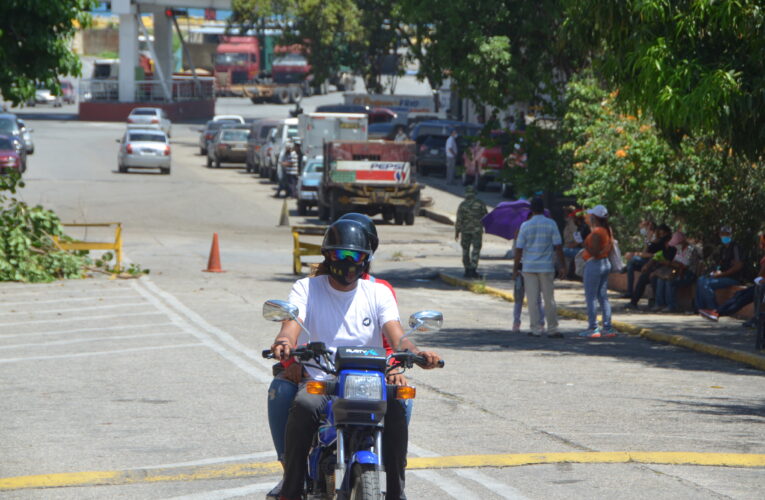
x=91, y=339
x=68, y=299
x=451, y=487
x=223, y=336
x=76, y=309
x=82, y=330
x=488, y=482
x=212, y=461
x=98, y=353
x=45, y=289
x=77, y=318
x=227, y=493
x=202, y=337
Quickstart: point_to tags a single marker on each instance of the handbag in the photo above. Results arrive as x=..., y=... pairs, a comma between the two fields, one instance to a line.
x=579, y=263
x=615, y=258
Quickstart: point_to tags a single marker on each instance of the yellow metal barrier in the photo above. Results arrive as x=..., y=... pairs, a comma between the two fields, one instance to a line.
x=93, y=245
x=302, y=248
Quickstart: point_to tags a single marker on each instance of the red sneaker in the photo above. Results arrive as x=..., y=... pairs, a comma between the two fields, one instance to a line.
x=709, y=314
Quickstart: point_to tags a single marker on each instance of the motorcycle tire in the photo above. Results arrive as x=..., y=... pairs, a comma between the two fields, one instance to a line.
x=366, y=483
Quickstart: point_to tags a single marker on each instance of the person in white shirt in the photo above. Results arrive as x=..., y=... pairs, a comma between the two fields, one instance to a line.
x=451, y=156
x=340, y=309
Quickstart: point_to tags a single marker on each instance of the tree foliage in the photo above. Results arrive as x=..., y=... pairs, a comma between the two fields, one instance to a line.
x=496, y=52
x=623, y=162
x=35, y=38
x=695, y=65
x=27, y=250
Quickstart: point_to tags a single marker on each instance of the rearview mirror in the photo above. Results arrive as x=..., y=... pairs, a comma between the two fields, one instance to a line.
x=426, y=321
x=280, y=310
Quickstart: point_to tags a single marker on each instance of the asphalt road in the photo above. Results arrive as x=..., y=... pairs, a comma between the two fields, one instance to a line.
x=109, y=381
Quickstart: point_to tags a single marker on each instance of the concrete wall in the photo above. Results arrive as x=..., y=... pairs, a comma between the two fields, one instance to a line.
x=119, y=111
x=95, y=42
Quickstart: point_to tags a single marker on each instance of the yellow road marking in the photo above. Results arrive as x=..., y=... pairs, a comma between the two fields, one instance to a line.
x=93, y=478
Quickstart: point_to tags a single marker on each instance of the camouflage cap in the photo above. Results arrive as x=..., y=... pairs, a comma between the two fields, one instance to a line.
x=470, y=190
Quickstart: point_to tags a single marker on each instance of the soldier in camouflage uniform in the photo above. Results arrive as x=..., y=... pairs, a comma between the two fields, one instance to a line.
x=468, y=224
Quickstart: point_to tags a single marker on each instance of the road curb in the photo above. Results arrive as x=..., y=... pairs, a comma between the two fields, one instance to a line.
x=751, y=359
x=437, y=216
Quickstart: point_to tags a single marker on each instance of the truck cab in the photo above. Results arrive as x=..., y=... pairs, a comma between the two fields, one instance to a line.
x=237, y=60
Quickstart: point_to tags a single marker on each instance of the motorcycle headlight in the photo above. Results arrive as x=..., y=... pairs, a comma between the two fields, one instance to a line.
x=366, y=387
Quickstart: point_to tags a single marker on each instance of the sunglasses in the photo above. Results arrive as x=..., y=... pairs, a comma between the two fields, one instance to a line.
x=354, y=255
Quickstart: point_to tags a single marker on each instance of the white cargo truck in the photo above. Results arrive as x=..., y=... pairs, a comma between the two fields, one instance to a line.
x=314, y=129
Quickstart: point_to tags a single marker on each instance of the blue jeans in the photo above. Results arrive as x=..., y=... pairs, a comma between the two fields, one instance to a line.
x=281, y=394
x=570, y=253
x=596, y=288
x=636, y=263
x=705, y=291
x=666, y=290
x=519, y=290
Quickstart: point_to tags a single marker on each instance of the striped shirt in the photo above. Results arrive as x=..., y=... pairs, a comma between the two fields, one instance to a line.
x=538, y=237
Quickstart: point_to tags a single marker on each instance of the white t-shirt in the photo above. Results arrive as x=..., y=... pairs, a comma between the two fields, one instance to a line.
x=342, y=319
x=451, y=147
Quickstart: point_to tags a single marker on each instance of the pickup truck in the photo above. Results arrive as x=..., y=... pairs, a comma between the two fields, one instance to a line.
x=372, y=177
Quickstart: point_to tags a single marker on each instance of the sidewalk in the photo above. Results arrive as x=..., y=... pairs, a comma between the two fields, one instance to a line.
x=726, y=338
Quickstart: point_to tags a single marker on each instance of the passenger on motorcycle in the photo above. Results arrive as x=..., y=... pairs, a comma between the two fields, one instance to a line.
x=340, y=309
x=289, y=373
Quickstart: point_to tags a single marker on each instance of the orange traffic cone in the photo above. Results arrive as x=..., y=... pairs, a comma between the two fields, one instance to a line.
x=213, y=264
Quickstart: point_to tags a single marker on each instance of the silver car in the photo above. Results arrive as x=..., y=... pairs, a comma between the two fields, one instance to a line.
x=26, y=132
x=144, y=148
x=308, y=184
x=149, y=118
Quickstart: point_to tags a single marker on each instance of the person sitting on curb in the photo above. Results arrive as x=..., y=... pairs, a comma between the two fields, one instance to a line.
x=636, y=261
x=727, y=272
x=742, y=298
x=682, y=272
x=663, y=256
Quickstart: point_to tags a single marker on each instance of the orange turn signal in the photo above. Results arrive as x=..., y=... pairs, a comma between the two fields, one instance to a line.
x=405, y=392
x=316, y=387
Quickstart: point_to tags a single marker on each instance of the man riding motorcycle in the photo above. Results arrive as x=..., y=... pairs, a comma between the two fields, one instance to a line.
x=288, y=374
x=343, y=310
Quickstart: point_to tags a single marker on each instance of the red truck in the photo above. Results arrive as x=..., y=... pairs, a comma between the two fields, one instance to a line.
x=485, y=159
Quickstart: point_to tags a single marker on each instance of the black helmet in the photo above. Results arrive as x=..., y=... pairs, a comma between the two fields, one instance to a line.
x=346, y=234
x=368, y=224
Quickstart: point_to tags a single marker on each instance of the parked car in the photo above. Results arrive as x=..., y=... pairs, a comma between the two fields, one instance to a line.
x=385, y=131
x=144, y=148
x=9, y=125
x=67, y=92
x=444, y=128
x=207, y=134
x=343, y=108
x=228, y=118
x=10, y=158
x=485, y=162
x=26, y=133
x=45, y=96
x=287, y=130
x=228, y=146
x=258, y=144
x=308, y=184
x=149, y=118
x=431, y=153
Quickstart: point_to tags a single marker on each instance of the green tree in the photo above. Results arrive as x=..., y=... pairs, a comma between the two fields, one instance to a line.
x=623, y=162
x=695, y=65
x=35, y=38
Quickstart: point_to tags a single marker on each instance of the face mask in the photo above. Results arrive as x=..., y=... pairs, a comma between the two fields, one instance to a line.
x=643, y=231
x=345, y=271
x=726, y=239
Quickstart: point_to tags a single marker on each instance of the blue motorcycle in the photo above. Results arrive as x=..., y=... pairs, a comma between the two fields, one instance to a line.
x=345, y=460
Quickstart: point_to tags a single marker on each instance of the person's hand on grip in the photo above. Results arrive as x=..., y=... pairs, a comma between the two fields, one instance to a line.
x=432, y=359
x=281, y=349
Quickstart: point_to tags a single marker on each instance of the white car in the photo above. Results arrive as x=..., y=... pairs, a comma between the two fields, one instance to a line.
x=228, y=118
x=149, y=118
x=44, y=96
x=286, y=131
x=144, y=148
